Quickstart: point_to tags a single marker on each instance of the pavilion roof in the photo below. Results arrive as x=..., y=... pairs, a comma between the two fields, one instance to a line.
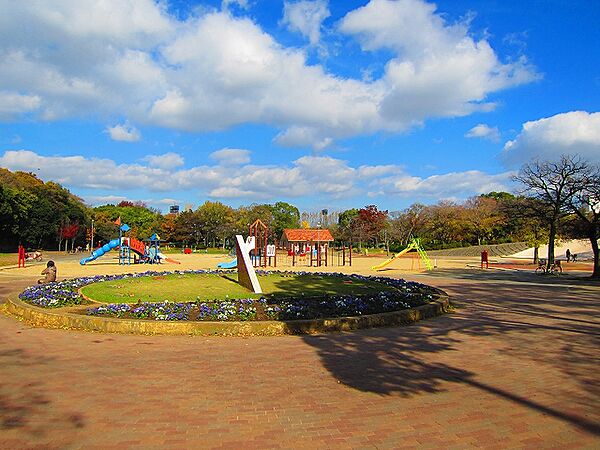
x=307, y=235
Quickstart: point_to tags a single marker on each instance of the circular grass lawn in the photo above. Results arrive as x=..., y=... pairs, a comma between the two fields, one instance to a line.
x=217, y=287
x=209, y=295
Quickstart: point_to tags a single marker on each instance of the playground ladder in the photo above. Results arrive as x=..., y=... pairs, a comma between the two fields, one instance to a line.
x=422, y=254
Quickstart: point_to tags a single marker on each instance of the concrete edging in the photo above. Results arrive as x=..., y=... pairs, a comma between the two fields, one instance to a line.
x=40, y=317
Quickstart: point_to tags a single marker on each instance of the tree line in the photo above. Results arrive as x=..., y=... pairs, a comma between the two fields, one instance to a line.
x=555, y=199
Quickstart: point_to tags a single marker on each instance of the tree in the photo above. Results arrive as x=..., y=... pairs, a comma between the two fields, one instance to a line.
x=284, y=216
x=344, y=229
x=525, y=223
x=408, y=223
x=554, y=184
x=368, y=223
x=142, y=220
x=483, y=216
x=216, y=222
x=445, y=224
x=187, y=228
x=168, y=227
x=585, y=206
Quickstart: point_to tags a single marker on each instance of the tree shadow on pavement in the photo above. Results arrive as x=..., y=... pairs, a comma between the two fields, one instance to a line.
x=25, y=405
x=517, y=276
x=531, y=323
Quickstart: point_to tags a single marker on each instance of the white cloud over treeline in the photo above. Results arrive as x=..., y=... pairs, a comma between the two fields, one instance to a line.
x=307, y=176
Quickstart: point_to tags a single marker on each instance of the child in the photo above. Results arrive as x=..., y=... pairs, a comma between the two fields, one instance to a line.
x=50, y=272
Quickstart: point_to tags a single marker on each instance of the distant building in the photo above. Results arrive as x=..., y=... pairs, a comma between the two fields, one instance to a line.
x=174, y=209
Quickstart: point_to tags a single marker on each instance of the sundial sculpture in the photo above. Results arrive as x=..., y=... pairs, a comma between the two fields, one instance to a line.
x=246, y=273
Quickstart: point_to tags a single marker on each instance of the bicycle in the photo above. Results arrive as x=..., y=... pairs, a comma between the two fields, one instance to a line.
x=554, y=269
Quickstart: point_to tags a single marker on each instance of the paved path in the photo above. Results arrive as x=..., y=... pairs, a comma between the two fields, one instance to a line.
x=515, y=366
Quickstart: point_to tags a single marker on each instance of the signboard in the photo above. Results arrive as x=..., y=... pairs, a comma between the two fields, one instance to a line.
x=270, y=250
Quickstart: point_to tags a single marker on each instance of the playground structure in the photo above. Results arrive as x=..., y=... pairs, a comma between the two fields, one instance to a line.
x=312, y=247
x=131, y=249
x=413, y=245
x=262, y=254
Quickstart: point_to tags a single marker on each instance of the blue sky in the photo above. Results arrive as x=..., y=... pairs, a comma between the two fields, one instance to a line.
x=324, y=104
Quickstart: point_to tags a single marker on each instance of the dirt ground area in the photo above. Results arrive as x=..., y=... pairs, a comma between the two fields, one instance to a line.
x=69, y=267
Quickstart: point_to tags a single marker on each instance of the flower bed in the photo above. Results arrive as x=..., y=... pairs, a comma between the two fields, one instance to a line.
x=404, y=295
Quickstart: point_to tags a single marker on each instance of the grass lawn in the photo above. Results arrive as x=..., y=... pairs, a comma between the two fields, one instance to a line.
x=192, y=287
x=8, y=259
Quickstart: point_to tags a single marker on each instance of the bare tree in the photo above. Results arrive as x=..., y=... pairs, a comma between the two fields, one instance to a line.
x=554, y=184
x=586, y=207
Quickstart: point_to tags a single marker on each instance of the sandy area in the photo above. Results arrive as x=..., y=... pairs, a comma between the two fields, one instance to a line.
x=69, y=267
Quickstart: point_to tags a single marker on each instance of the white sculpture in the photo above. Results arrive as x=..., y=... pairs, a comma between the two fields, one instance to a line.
x=246, y=274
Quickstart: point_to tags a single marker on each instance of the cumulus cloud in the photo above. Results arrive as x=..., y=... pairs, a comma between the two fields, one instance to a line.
x=231, y=156
x=306, y=17
x=212, y=70
x=548, y=138
x=124, y=133
x=439, y=69
x=323, y=177
x=13, y=105
x=484, y=131
x=450, y=185
x=165, y=161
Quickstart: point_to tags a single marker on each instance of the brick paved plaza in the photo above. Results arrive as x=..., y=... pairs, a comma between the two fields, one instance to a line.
x=516, y=365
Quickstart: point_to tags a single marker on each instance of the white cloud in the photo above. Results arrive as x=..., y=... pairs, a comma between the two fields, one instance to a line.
x=115, y=199
x=484, y=131
x=12, y=104
x=165, y=161
x=378, y=171
x=124, y=133
x=306, y=17
x=548, y=138
x=213, y=70
x=454, y=184
x=231, y=156
x=320, y=177
x=303, y=137
x=439, y=69
x=241, y=3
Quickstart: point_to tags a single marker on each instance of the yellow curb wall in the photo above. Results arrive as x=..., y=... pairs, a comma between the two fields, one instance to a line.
x=40, y=317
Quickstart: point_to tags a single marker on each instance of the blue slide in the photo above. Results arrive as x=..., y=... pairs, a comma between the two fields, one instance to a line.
x=101, y=251
x=228, y=265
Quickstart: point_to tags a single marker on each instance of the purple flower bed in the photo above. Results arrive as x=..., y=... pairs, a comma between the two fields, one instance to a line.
x=405, y=295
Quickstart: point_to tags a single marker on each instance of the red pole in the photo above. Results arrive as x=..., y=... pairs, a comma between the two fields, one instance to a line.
x=21, y=262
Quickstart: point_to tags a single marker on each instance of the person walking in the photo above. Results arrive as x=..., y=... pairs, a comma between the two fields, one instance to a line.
x=568, y=255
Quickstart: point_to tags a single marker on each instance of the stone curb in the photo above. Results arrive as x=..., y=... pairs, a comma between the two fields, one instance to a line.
x=40, y=317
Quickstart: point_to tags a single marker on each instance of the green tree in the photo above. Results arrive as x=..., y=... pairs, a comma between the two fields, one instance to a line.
x=284, y=216
x=344, y=229
x=216, y=221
